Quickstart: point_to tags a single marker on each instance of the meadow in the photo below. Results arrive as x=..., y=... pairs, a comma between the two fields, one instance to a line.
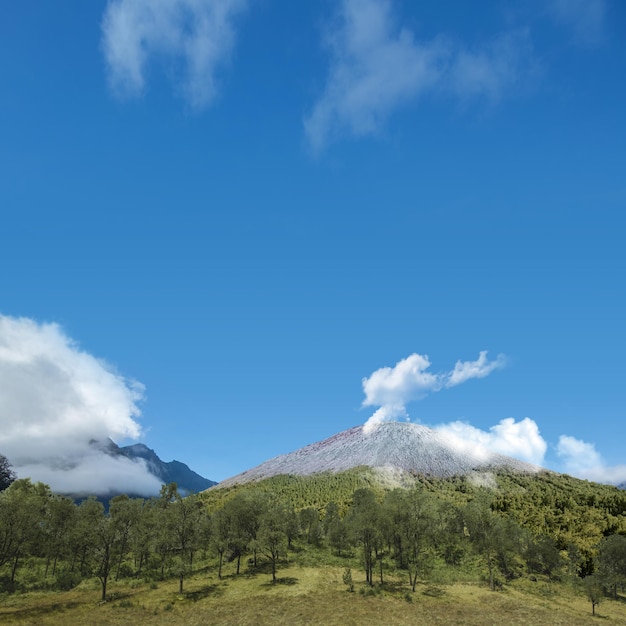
x=308, y=595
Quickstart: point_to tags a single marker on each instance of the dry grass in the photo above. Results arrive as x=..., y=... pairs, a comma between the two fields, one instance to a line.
x=306, y=596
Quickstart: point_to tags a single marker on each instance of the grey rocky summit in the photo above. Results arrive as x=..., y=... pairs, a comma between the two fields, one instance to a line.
x=410, y=448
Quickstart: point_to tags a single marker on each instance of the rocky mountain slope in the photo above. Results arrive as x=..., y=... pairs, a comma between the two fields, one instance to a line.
x=397, y=446
x=187, y=480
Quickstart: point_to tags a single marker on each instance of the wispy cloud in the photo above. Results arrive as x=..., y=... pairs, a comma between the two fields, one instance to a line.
x=520, y=440
x=586, y=19
x=55, y=399
x=491, y=70
x=392, y=388
x=481, y=367
x=378, y=65
x=375, y=67
x=196, y=37
x=581, y=459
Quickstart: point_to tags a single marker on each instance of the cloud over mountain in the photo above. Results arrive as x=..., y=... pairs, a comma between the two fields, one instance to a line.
x=392, y=388
x=521, y=440
x=55, y=401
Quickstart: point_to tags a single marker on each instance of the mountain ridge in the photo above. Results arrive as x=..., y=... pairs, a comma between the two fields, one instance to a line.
x=174, y=471
x=168, y=471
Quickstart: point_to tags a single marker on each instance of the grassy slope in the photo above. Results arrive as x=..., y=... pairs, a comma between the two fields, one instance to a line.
x=306, y=596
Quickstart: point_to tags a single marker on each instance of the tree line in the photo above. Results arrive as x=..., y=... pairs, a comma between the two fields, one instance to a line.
x=402, y=531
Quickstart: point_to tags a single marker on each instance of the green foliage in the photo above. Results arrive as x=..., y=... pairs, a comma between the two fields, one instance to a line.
x=437, y=531
x=314, y=491
x=611, y=562
x=347, y=579
x=271, y=537
x=571, y=511
x=593, y=590
x=7, y=475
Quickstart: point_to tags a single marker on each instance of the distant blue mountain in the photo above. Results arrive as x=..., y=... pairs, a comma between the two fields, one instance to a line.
x=187, y=480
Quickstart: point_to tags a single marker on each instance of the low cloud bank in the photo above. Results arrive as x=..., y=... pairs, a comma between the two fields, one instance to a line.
x=581, y=459
x=55, y=400
x=520, y=440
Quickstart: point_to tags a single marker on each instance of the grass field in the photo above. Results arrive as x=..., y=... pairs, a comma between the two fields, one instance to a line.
x=307, y=595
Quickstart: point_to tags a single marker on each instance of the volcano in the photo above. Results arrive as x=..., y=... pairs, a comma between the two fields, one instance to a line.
x=404, y=447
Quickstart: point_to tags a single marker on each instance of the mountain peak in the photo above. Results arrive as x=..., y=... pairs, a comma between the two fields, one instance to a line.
x=411, y=448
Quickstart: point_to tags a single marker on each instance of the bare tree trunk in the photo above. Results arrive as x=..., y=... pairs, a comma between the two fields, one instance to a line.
x=17, y=558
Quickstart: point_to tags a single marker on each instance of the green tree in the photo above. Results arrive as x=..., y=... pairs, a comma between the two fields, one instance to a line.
x=60, y=520
x=97, y=542
x=542, y=556
x=335, y=529
x=331, y=515
x=245, y=511
x=82, y=535
x=125, y=513
x=221, y=534
x=310, y=525
x=272, y=533
x=23, y=509
x=143, y=533
x=611, y=562
x=493, y=536
x=593, y=590
x=363, y=520
x=183, y=520
x=107, y=541
x=414, y=521
x=7, y=475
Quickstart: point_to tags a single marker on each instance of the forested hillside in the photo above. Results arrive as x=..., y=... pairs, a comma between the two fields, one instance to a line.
x=522, y=527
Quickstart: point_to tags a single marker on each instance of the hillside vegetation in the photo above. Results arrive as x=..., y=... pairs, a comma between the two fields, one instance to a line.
x=332, y=548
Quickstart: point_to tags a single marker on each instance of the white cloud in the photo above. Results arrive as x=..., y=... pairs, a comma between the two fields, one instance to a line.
x=407, y=380
x=375, y=67
x=378, y=66
x=54, y=400
x=585, y=18
x=194, y=36
x=95, y=473
x=392, y=388
x=520, y=440
x=481, y=367
x=581, y=459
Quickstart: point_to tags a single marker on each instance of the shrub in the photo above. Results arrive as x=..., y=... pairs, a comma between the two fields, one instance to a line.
x=347, y=579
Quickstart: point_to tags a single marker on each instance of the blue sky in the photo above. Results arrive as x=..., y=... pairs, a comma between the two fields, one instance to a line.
x=250, y=207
